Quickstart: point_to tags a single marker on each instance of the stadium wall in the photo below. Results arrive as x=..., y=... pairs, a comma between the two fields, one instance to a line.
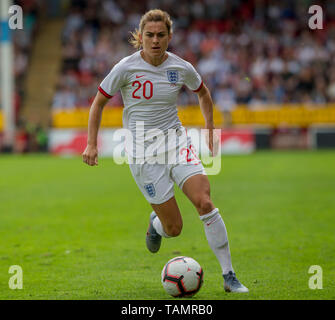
x=289, y=126
x=286, y=115
x=71, y=142
x=270, y=127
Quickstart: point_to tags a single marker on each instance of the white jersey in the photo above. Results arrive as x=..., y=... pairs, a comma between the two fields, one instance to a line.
x=150, y=92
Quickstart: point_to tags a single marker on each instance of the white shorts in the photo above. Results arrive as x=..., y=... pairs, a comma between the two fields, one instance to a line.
x=156, y=181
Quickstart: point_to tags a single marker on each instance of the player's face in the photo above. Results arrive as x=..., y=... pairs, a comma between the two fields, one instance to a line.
x=155, y=39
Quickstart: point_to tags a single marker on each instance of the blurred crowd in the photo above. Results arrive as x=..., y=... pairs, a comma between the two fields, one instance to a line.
x=23, y=40
x=251, y=52
x=28, y=137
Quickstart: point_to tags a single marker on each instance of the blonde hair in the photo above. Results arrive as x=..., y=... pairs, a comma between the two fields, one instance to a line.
x=152, y=15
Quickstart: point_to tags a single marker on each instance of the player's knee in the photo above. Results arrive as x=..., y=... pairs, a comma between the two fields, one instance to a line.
x=174, y=230
x=205, y=205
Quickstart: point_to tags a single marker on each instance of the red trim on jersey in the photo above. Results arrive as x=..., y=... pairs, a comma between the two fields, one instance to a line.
x=201, y=85
x=104, y=93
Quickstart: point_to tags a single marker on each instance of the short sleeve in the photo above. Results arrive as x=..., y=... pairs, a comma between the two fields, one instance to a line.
x=113, y=81
x=192, y=78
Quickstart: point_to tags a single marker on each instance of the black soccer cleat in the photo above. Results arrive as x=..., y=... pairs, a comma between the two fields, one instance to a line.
x=153, y=239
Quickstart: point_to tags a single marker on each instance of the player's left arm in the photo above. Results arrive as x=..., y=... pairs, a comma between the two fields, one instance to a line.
x=206, y=106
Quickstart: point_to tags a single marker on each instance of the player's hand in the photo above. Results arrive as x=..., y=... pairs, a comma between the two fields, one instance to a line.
x=212, y=140
x=90, y=155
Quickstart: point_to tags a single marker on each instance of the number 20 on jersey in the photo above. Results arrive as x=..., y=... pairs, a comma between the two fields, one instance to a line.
x=144, y=90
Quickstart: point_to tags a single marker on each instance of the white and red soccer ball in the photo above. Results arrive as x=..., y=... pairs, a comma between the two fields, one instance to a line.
x=182, y=277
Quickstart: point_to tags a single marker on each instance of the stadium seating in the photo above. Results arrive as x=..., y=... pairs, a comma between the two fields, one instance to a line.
x=248, y=52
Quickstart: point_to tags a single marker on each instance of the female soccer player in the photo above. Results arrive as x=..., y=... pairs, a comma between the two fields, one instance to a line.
x=149, y=81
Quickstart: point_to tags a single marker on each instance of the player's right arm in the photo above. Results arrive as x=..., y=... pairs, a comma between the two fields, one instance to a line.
x=90, y=155
x=108, y=87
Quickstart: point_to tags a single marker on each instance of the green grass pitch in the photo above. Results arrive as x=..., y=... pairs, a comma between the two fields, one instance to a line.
x=78, y=232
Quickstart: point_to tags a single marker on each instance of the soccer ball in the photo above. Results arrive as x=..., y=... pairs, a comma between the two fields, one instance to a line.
x=182, y=277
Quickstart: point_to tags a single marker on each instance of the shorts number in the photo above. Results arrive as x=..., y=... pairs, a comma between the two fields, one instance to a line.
x=190, y=154
x=148, y=89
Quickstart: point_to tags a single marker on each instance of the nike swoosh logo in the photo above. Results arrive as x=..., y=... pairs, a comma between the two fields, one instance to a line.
x=208, y=224
x=140, y=76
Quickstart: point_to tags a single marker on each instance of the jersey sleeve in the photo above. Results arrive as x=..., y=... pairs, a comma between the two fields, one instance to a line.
x=113, y=81
x=193, y=80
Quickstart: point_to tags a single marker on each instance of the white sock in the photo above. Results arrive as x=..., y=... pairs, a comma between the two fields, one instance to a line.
x=217, y=238
x=159, y=228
